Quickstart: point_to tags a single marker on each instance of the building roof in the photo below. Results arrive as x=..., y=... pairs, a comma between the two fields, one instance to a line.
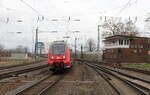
x=124, y=36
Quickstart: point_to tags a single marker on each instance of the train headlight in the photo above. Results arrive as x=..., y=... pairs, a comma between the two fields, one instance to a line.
x=52, y=57
x=64, y=57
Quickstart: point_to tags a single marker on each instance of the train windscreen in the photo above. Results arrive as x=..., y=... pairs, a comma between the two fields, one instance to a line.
x=58, y=49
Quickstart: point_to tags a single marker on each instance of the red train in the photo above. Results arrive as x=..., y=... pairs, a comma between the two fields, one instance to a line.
x=59, y=56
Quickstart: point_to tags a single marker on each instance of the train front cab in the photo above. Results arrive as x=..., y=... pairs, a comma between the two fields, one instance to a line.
x=59, y=62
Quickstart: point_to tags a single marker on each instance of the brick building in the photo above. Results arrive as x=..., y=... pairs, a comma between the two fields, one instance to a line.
x=5, y=53
x=126, y=49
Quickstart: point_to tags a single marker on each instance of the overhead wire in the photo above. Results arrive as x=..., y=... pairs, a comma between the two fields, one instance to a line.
x=125, y=6
x=128, y=4
x=38, y=13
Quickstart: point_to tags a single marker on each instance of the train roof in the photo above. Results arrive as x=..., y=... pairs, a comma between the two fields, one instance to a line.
x=59, y=42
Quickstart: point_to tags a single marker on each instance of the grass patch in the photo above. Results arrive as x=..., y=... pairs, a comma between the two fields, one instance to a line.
x=10, y=62
x=145, y=66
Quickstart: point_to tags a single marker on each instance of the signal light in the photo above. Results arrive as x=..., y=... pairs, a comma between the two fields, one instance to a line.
x=52, y=57
x=64, y=57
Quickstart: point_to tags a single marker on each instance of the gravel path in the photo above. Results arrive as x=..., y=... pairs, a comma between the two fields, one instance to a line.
x=82, y=80
x=14, y=82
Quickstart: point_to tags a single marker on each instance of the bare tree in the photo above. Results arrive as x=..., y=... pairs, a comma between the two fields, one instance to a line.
x=91, y=46
x=131, y=28
x=1, y=47
x=21, y=49
x=26, y=49
x=117, y=27
x=3, y=52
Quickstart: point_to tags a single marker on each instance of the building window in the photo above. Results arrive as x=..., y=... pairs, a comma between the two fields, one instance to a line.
x=132, y=46
x=135, y=51
x=135, y=46
x=127, y=42
x=140, y=50
x=148, y=41
x=141, y=46
x=120, y=42
x=148, y=46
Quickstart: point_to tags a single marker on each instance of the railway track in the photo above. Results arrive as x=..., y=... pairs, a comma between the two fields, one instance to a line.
x=28, y=88
x=124, y=68
x=137, y=70
x=124, y=74
x=107, y=80
x=11, y=72
x=12, y=83
x=12, y=66
x=44, y=91
x=139, y=84
x=127, y=68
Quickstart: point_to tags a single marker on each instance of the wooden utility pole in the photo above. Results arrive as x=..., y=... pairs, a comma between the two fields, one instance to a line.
x=81, y=51
x=98, y=37
x=36, y=42
x=75, y=47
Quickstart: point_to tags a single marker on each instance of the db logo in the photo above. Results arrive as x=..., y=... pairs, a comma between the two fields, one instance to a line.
x=58, y=57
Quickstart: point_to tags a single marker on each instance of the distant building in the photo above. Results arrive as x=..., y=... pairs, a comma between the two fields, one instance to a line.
x=19, y=55
x=5, y=53
x=126, y=49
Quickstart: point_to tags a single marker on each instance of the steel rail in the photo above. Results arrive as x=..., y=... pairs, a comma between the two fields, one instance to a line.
x=133, y=77
x=17, y=72
x=106, y=78
x=50, y=86
x=12, y=66
x=137, y=70
x=143, y=90
x=27, y=86
x=125, y=68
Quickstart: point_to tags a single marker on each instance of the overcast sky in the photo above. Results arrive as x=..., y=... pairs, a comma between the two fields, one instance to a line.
x=88, y=11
